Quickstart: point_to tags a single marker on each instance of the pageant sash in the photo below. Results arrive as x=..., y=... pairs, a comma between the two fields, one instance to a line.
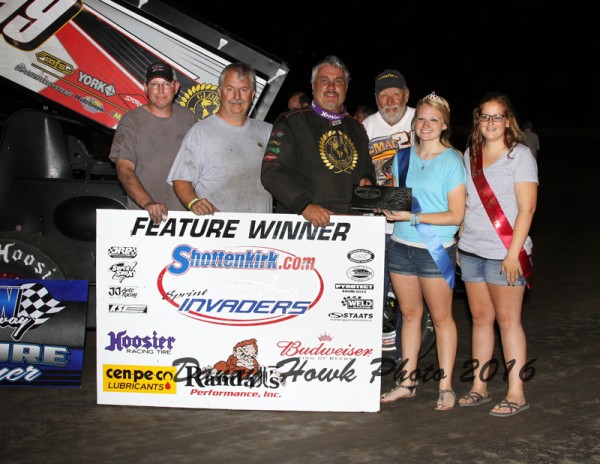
x=426, y=231
x=496, y=214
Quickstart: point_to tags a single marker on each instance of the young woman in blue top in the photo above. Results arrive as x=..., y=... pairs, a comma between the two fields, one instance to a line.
x=422, y=253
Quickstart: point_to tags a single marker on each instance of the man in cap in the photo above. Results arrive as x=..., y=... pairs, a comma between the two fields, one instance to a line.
x=146, y=142
x=389, y=130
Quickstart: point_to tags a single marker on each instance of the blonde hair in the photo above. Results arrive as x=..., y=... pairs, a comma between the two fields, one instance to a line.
x=441, y=104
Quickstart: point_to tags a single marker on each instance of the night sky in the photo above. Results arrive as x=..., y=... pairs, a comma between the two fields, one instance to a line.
x=546, y=61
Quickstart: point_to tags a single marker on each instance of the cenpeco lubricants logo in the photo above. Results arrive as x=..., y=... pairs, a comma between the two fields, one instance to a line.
x=202, y=99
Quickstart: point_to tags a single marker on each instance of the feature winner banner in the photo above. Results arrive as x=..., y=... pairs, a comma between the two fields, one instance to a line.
x=239, y=311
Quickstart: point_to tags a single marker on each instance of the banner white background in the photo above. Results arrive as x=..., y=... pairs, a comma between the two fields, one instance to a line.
x=181, y=304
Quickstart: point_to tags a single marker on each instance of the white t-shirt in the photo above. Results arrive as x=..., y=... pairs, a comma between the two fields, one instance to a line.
x=223, y=163
x=479, y=235
x=384, y=142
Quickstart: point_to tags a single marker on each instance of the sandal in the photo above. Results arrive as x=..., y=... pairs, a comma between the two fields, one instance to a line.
x=473, y=399
x=446, y=400
x=513, y=408
x=390, y=396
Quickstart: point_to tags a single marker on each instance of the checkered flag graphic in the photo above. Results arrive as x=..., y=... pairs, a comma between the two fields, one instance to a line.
x=36, y=304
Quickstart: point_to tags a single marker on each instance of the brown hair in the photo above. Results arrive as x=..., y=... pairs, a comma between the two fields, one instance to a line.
x=512, y=134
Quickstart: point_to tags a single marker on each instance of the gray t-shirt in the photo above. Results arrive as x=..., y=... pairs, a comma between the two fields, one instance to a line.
x=223, y=163
x=479, y=235
x=151, y=143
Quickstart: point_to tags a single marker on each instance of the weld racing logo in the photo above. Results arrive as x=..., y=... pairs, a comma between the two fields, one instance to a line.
x=357, y=302
x=25, y=307
x=122, y=252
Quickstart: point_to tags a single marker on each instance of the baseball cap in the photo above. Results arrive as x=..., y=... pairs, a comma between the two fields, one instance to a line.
x=389, y=78
x=160, y=69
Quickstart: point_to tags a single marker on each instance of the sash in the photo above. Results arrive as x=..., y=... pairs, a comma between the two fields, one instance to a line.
x=495, y=213
x=426, y=231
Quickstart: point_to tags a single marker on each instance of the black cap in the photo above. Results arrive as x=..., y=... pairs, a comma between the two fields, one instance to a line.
x=160, y=69
x=389, y=78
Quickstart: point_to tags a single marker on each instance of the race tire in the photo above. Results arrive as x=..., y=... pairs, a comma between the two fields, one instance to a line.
x=30, y=256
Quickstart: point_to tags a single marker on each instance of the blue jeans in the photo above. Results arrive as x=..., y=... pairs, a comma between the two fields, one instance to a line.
x=411, y=261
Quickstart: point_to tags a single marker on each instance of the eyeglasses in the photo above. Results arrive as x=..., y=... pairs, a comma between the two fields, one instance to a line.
x=338, y=81
x=495, y=117
x=156, y=85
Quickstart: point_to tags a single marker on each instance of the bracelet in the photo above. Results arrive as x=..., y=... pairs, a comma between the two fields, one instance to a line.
x=191, y=203
x=414, y=219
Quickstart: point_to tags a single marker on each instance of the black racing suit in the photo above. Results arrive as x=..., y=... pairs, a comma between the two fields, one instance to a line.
x=310, y=159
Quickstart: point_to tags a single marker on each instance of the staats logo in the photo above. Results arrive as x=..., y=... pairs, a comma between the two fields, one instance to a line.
x=360, y=273
x=122, y=252
x=361, y=256
x=144, y=344
x=357, y=302
x=354, y=316
x=128, y=308
x=118, y=378
x=236, y=279
x=202, y=100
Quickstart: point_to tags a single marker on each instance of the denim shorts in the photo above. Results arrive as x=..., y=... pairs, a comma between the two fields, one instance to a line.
x=474, y=268
x=409, y=260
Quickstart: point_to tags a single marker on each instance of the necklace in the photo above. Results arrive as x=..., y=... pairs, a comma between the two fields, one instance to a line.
x=422, y=162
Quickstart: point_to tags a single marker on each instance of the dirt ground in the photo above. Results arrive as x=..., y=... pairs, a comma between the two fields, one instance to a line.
x=561, y=319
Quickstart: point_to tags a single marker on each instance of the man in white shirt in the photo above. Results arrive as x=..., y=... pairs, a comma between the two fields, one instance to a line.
x=389, y=130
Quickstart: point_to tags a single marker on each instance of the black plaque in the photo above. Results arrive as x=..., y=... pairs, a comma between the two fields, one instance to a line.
x=371, y=197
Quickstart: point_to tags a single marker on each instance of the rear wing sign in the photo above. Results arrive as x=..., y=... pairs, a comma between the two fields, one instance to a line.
x=91, y=57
